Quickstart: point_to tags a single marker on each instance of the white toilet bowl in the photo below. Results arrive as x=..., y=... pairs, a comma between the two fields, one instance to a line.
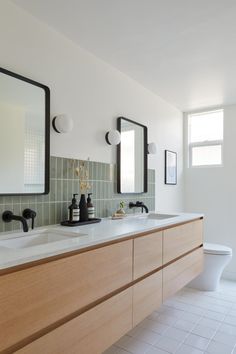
x=216, y=257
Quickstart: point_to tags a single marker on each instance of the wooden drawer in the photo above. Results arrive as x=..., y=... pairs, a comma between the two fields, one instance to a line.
x=147, y=296
x=90, y=333
x=37, y=297
x=147, y=254
x=181, y=272
x=181, y=239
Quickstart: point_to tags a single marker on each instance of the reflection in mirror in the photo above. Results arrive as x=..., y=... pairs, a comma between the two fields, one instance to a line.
x=132, y=157
x=24, y=139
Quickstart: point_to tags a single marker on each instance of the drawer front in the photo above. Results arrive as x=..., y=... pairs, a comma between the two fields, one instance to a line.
x=147, y=297
x=36, y=297
x=181, y=272
x=181, y=239
x=90, y=333
x=147, y=254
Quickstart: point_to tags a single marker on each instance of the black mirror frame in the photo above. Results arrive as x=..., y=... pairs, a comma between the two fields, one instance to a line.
x=145, y=164
x=47, y=131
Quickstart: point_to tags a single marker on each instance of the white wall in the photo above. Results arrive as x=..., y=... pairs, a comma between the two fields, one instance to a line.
x=91, y=92
x=213, y=192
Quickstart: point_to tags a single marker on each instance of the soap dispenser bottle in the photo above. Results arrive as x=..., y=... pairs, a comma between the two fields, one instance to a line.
x=91, y=209
x=73, y=210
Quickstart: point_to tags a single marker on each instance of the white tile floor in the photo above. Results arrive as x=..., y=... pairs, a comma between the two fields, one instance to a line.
x=191, y=322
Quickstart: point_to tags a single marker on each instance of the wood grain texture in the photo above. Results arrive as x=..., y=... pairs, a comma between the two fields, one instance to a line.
x=181, y=272
x=147, y=297
x=35, y=298
x=90, y=333
x=181, y=239
x=147, y=254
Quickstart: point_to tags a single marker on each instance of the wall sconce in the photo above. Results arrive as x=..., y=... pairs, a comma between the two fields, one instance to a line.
x=152, y=148
x=113, y=137
x=62, y=124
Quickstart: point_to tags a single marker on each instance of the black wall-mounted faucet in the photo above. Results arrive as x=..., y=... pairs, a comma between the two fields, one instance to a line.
x=29, y=214
x=138, y=205
x=8, y=216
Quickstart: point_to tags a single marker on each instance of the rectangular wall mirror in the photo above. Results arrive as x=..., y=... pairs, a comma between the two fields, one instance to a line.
x=131, y=157
x=24, y=135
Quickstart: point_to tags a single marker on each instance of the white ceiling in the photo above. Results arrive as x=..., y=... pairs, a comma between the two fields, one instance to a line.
x=183, y=50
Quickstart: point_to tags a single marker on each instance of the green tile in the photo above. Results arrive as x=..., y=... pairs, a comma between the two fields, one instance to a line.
x=58, y=213
x=64, y=211
x=70, y=189
x=53, y=167
x=52, y=213
x=65, y=168
x=90, y=165
x=53, y=189
x=76, y=169
x=39, y=211
x=2, y=209
x=8, y=226
x=59, y=167
x=46, y=214
x=2, y=200
x=96, y=171
x=59, y=190
x=8, y=199
x=65, y=196
x=71, y=168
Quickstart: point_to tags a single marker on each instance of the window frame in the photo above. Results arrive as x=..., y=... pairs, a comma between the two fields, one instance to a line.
x=190, y=146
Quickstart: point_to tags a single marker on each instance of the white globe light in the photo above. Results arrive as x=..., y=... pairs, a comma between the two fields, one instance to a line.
x=113, y=137
x=62, y=124
x=152, y=148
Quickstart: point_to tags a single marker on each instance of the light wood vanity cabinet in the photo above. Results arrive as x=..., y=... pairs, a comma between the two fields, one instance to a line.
x=82, y=303
x=89, y=333
x=147, y=253
x=147, y=296
x=181, y=239
x=40, y=296
x=179, y=273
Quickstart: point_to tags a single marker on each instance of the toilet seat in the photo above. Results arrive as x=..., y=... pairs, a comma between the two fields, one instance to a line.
x=214, y=248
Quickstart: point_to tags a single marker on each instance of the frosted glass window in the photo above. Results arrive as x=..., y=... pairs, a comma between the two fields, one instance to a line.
x=205, y=138
x=206, y=155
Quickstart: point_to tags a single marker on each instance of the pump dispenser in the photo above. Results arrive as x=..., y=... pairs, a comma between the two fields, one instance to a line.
x=91, y=209
x=73, y=210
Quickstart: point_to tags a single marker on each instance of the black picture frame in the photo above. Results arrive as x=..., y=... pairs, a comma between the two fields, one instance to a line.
x=47, y=131
x=145, y=157
x=170, y=167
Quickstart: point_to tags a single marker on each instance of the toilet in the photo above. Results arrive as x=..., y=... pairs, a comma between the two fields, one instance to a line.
x=216, y=257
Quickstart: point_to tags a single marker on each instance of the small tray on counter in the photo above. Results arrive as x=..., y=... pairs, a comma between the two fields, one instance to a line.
x=80, y=223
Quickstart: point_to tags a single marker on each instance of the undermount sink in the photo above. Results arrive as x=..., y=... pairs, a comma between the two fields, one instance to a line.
x=156, y=216
x=44, y=237
x=161, y=216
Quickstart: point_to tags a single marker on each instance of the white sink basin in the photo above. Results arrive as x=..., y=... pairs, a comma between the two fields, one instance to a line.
x=37, y=238
x=161, y=216
x=155, y=216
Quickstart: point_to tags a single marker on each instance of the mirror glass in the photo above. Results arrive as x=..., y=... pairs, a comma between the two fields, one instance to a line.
x=24, y=135
x=132, y=157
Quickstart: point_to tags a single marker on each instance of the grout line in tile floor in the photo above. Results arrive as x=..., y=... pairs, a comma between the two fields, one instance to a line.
x=191, y=322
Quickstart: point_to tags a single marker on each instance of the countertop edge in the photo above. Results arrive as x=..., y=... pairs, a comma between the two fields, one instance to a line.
x=22, y=264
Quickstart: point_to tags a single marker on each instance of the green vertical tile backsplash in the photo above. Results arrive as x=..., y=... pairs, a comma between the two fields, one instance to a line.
x=52, y=208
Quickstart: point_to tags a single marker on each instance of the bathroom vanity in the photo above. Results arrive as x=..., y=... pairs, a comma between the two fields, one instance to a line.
x=84, y=297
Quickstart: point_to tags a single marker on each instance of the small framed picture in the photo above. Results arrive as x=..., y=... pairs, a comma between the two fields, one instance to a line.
x=170, y=167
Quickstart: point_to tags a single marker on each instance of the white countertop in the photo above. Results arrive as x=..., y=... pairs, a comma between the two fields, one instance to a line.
x=84, y=236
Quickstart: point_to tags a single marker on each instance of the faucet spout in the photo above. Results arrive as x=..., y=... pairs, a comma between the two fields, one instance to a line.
x=138, y=205
x=8, y=216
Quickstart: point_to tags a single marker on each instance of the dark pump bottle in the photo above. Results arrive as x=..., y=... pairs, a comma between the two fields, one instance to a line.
x=83, y=208
x=91, y=209
x=73, y=210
